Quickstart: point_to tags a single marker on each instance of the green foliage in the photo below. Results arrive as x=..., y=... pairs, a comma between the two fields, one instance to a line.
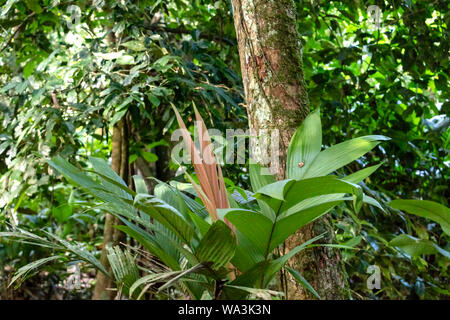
x=200, y=252
x=426, y=209
x=391, y=81
x=124, y=268
x=217, y=245
x=63, y=86
x=416, y=247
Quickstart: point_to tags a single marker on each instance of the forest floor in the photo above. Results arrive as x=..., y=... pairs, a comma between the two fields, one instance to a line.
x=44, y=286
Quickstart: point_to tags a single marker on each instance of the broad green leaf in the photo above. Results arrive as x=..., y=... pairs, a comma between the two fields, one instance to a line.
x=140, y=184
x=426, y=209
x=353, y=242
x=253, y=225
x=28, y=69
x=282, y=196
x=372, y=202
x=272, y=195
x=74, y=174
x=362, y=174
x=194, y=206
x=260, y=177
x=286, y=226
x=217, y=246
x=172, y=197
x=337, y=156
x=118, y=115
x=168, y=216
x=201, y=225
x=251, y=277
x=311, y=202
x=247, y=254
x=416, y=247
x=304, y=146
x=309, y=188
x=277, y=189
x=163, y=238
x=154, y=99
x=110, y=179
x=62, y=213
x=149, y=156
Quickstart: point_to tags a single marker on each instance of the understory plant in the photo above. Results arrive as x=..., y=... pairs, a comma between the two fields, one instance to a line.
x=205, y=242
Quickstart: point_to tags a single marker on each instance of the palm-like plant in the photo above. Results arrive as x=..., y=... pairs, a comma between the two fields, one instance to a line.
x=225, y=248
x=229, y=252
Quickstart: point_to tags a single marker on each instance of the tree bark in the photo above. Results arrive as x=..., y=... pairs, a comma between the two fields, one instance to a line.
x=276, y=98
x=112, y=236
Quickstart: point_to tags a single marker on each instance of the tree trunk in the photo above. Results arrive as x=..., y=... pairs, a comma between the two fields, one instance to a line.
x=112, y=236
x=272, y=73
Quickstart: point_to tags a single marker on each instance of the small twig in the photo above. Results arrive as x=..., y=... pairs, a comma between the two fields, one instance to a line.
x=55, y=100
